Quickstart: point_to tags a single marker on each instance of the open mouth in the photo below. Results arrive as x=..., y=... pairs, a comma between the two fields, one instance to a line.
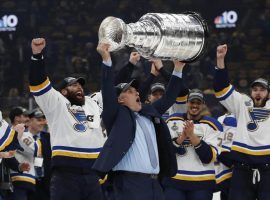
x=138, y=100
x=79, y=94
x=257, y=98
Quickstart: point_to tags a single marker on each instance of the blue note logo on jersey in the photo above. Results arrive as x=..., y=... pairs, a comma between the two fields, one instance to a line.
x=257, y=115
x=80, y=117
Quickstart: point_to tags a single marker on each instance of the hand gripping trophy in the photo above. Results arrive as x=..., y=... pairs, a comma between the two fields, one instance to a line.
x=158, y=35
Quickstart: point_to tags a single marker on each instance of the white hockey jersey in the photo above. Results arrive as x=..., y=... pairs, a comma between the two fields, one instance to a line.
x=251, y=144
x=229, y=124
x=190, y=167
x=31, y=149
x=76, y=134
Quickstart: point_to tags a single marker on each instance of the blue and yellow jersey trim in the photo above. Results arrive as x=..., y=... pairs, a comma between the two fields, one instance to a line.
x=7, y=138
x=225, y=148
x=74, y=152
x=41, y=88
x=224, y=175
x=23, y=178
x=214, y=153
x=175, y=116
x=208, y=175
x=224, y=93
x=38, y=148
x=181, y=100
x=251, y=150
x=212, y=123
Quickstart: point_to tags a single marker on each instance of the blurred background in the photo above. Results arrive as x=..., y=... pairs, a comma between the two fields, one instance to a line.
x=70, y=28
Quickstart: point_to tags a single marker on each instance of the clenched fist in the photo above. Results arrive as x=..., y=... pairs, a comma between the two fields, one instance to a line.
x=158, y=63
x=103, y=50
x=19, y=128
x=178, y=66
x=134, y=57
x=221, y=53
x=24, y=167
x=38, y=44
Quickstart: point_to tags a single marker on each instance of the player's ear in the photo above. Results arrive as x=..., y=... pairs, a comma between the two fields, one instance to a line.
x=120, y=100
x=64, y=92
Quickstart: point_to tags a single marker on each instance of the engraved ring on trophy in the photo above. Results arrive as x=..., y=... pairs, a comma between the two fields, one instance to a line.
x=158, y=35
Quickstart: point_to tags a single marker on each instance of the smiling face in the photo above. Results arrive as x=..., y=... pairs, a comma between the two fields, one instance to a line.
x=131, y=99
x=36, y=124
x=74, y=93
x=156, y=95
x=194, y=109
x=259, y=95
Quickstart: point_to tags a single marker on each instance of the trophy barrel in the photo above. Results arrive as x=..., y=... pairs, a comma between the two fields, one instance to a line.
x=158, y=35
x=183, y=36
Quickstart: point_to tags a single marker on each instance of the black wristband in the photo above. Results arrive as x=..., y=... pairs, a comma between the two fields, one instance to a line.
x=198, y=145
x=175, y=141
x=38, y=56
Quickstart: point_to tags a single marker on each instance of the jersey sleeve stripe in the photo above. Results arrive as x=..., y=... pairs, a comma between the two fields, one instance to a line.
x=225, y=93
x=225, y=148
x=224, y=175
x=214, y=154
x=7, y=138
x=23, y=177
x=181, y=100
x=41, y=89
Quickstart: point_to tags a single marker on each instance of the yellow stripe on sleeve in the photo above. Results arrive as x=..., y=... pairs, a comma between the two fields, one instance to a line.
x=41, y=86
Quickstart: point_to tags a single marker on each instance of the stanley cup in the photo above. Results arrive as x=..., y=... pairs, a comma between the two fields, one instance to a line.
x=158, y=35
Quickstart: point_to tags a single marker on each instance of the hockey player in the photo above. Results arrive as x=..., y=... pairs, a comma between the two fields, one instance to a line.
x=195, y=141
x=223, y=166
x=250, y=149
x=76, y=134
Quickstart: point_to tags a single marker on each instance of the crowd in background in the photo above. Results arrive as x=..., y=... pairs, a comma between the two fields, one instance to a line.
x=71, y=27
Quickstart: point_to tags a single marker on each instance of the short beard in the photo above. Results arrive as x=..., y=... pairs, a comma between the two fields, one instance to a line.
x=74, y=101
x=194, y=117
x=262, y=104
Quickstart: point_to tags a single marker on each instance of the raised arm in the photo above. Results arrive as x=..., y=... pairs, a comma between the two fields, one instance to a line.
x=180, y=103
x=224, y=91
x=124, y=75
x=174, y=87
x=40, y=86
x=110, y=102
x=145, y=86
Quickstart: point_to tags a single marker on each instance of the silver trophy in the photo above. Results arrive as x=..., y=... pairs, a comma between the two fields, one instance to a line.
x=158, y=35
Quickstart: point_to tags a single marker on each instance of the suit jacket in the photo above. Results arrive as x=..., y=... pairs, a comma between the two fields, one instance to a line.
x=120, y=124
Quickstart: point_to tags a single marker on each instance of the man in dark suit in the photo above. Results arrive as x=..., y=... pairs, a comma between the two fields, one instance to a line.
x=139, y=147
